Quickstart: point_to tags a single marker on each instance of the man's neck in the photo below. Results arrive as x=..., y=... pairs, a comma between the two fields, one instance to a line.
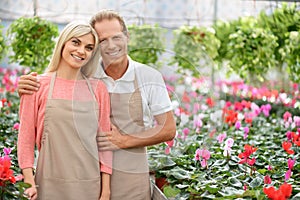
x=117, y=70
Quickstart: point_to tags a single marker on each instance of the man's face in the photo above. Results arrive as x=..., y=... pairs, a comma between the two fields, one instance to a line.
x=113, y=42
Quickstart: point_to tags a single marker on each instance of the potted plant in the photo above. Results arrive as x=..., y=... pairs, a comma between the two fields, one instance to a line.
x=2, y=43
x=32, y=42
x=146, y=43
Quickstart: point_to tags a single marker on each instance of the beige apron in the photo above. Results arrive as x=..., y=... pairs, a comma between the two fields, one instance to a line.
x=68, y=166
x=130, y=178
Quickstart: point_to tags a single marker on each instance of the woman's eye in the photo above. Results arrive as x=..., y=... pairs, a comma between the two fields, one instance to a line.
x=75, y=42
x=90, y=48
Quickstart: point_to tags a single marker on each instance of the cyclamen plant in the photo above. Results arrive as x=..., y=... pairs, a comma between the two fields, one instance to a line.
x=10, y=185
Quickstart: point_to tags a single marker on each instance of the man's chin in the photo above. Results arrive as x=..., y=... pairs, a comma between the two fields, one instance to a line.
x=115, y=61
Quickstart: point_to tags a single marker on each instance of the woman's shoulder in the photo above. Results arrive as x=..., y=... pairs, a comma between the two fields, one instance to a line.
x=44, y=77
x=44, y=80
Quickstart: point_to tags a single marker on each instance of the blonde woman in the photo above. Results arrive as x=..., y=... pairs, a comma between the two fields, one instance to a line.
x=62, y=120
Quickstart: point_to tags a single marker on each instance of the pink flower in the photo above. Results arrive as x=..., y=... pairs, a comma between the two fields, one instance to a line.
x=198, y=122
x=297, y=121
x=288, y=175
x=229, y=142
x=16, y=126
x=186, y=131
x=267, y=179
x=167, y=150
x=227, y=148
x=286, y=116
x=289, y=135
x=7, y=151
x=221, y=137
x=245, y=187
x=170, y=143
x=197, y=154
x=237, y=125
x=203, y=155
x=269, y=167
x=246, y=131
x=291, y=163
x=266, y=109
x=19, y=177
x=203, y=163
x=196, y=108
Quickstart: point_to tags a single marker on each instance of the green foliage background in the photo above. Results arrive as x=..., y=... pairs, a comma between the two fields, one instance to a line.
x=32, y=41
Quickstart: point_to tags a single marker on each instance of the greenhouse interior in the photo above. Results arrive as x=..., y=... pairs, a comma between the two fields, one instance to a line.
x=200, y=98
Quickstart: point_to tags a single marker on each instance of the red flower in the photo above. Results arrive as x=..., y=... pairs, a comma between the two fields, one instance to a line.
x=210, y=102
x=267, y=179
x=282, y=193
x=286, y=189
x=186, y=98
x=245, y=156
x=6, y=174
x=238, y=106
x=230, y=117
x=286, y=146
x=296, y=138
x=248, y=120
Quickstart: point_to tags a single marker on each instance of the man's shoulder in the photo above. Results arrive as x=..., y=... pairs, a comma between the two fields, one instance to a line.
x=145, y=70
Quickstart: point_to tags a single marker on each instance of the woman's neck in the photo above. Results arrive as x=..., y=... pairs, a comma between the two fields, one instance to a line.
x=69, y=74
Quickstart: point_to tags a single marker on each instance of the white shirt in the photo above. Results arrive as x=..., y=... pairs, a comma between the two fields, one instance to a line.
x=151, y=84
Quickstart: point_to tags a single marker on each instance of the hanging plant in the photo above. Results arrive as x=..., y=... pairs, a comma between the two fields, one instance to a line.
x=146, y=43
x=251, y=50
x=192, y=44
x=283, y=22
x=291, y=52
x=2, y=43
x=32, y=41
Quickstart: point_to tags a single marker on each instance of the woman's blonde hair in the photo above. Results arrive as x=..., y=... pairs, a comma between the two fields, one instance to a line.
x=76, y=29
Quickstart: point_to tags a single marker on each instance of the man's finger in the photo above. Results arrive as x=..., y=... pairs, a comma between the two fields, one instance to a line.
x=101, y=134
x=101, y=139
x=23, y=91
x=28, y=83
x=103, y=144
x=33, y=73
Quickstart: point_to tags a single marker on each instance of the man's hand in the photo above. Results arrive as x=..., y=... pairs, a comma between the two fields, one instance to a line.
x=28, y=84
x=31, y=193
x=112, y=140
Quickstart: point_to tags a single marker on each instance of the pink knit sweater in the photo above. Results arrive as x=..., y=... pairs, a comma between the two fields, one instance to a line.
x=32, y=113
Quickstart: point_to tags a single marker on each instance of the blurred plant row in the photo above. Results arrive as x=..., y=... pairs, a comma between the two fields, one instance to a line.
x=11, y=186
x=248, y=46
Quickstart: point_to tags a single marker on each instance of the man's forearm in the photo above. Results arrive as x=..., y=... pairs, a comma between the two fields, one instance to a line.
x=164, y=131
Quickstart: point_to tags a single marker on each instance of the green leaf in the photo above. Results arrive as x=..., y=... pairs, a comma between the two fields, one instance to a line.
x=213, y=189
x=256, y=182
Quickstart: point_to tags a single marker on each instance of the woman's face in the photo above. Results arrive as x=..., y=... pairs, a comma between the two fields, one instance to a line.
x=78, y=51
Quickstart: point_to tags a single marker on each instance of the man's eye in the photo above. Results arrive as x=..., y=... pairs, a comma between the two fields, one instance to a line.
x=117, y=38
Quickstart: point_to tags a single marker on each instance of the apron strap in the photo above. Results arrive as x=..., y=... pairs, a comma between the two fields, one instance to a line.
x=51, y=85
x=89, y=86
